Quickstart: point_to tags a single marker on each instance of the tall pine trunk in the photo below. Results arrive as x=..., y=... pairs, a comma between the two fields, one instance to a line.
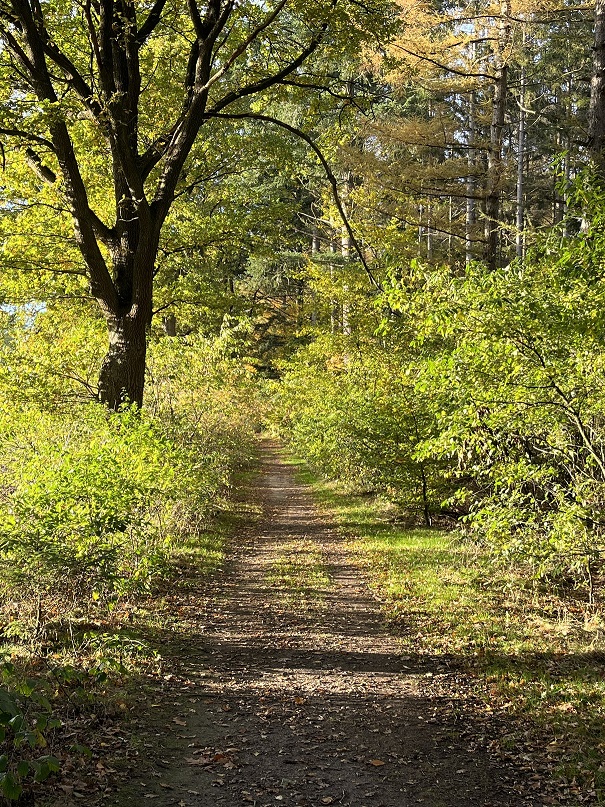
x=471, y=182
x=494, y=154
x=520, y=216
x=596, y=111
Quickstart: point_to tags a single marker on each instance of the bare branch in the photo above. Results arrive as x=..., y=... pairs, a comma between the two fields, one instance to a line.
x=448, y=68
x=151, y=22
x=276, y=78
x=24, y=135
x=74, y=77
x=269, y=19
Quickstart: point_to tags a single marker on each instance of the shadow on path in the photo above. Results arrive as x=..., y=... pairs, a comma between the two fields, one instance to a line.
x=274, y=703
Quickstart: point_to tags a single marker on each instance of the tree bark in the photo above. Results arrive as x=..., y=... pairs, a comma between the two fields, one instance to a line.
x=596, y=110
x=471, y=183
x=520, y=217
x=122, y=374
x=494, y=157
x=169, y=322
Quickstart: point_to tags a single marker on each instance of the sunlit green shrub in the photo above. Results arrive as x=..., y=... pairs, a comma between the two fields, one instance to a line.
x=351, y=410
x=25, y=722
x=513, y=366
x=93, y=501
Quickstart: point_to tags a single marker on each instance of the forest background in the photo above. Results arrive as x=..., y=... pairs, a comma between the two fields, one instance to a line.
x=377, y=230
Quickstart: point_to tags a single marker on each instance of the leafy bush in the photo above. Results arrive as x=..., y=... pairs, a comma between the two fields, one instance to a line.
x=513, y=367
x=351, y=410
x=25, y=719
x=92, y=503
x=485, y=393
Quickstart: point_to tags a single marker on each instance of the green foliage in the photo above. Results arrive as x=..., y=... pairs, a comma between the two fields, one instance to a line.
x=49, y=355
x=92, y=499
x=93, y=502
x=486, y=390
x=25, y=719
x=351, y=409
x=514, y=369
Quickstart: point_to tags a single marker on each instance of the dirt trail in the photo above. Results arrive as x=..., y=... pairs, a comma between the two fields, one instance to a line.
x=313, y=703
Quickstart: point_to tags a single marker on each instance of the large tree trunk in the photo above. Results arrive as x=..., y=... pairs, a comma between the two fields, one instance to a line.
x=122, y=375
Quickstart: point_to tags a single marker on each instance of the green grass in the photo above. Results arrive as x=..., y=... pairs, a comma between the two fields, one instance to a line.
x=536, y=656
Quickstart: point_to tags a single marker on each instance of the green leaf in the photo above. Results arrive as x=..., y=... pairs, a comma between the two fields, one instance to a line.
x=11, y=789
x=8, y=705
x=23, y=768
x=28, y=687
x=42, y=771
x=17, y=722
x=52, y=762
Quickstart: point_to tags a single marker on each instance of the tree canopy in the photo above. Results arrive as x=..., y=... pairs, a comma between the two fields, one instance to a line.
x=104, y=102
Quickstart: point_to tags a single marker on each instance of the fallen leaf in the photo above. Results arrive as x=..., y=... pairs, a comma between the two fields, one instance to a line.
x=178, y=721
x=377, y=763
x=198, y=760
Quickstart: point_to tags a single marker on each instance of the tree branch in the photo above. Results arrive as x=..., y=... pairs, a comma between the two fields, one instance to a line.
x=329, y=174
x=151, y=22
x=276, y=78
x=75, y=79
x=245, y=45
x=33, y=138
x=41, y=170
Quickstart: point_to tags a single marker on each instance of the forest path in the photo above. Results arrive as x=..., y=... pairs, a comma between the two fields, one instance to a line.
x=288, y=690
